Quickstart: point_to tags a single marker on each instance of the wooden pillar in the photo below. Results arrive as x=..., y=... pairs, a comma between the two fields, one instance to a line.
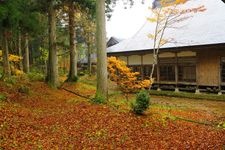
x=176, y=73
x=220, y=75
x=142, y=68
x=197, y=91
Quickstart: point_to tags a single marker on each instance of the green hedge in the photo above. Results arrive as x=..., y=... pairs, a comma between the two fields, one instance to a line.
x=189, y=95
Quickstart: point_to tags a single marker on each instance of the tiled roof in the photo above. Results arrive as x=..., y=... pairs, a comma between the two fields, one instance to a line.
x=203, y=28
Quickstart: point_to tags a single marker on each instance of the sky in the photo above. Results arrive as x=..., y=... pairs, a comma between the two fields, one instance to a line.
x=124, y=23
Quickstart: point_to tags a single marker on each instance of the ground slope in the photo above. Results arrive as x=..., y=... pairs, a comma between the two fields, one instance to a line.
x=57, y=119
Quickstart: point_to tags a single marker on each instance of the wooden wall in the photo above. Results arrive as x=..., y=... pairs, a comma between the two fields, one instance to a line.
x=208, y=67
x=186, y=54
x=208, y=72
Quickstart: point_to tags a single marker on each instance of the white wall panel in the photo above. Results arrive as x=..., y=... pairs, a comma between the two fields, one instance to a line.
x=148, y=59
x=134, y=60
x=186, y=54
x=166, y=55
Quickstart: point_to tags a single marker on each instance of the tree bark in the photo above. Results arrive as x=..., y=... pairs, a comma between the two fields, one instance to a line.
x=19, y=50
x=5, y=55
x=73, y=54
x=26, y=58
x=52, y=74
x=89, y=59
x=102, y=88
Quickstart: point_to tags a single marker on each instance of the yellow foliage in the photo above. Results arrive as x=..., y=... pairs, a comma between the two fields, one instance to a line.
x=167, y=10
x=13, y=59
x=180, y=1
x=151, y=36
x=165, y=3
x=152, y=19
x=16, y=71
x=124, y=77
x=163, y=42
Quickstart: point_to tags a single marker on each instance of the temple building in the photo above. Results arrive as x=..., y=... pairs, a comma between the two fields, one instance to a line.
x=195, y=60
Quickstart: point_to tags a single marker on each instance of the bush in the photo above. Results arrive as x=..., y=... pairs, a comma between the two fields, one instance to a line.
x=36, y=76
x=203, y=96
x=24, y=89
x=142, y=102
x=98, y=99
x=73, y=79
x=81, y=73
x=2, y=97
x=1, y=72
x=10, y=80
x=125, y=78
x=221, y=125
x=62, y=71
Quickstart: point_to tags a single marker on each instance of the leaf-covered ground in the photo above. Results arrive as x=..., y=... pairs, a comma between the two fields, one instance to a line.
x=56, y=119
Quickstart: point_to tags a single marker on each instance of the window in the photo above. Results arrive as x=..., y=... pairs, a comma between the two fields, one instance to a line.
x=187, y=69
x=223, y=69
x=187, y=73
x=147, y=71
x=135, y=68
x=167, y=73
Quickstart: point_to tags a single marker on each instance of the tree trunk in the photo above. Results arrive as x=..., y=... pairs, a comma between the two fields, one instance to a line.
x=5, y=55
x=89, y=58
x=155, y=62
x=52, y=74
x=101, y=50
x=19, y=50
x=73, y=55
x=26, y=64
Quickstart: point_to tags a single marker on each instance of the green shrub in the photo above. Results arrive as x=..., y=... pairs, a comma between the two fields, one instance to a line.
x=142, y=102
x=202, y=96
x=73, y=79
x=81, y=73
x=221, y=125
x=36, y=76
x=2, y=97
x=10, y=80
x=1, y=72
x=98, y=99
x=62, y=71
x=24, y=89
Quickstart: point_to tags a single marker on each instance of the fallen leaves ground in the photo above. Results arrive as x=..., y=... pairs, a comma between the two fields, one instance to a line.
x=57, y=119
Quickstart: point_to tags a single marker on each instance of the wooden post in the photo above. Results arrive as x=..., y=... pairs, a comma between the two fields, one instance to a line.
x=197, y=91
x=142, y=69
x=220, y=75
x=127, y=60
x=176, y=73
